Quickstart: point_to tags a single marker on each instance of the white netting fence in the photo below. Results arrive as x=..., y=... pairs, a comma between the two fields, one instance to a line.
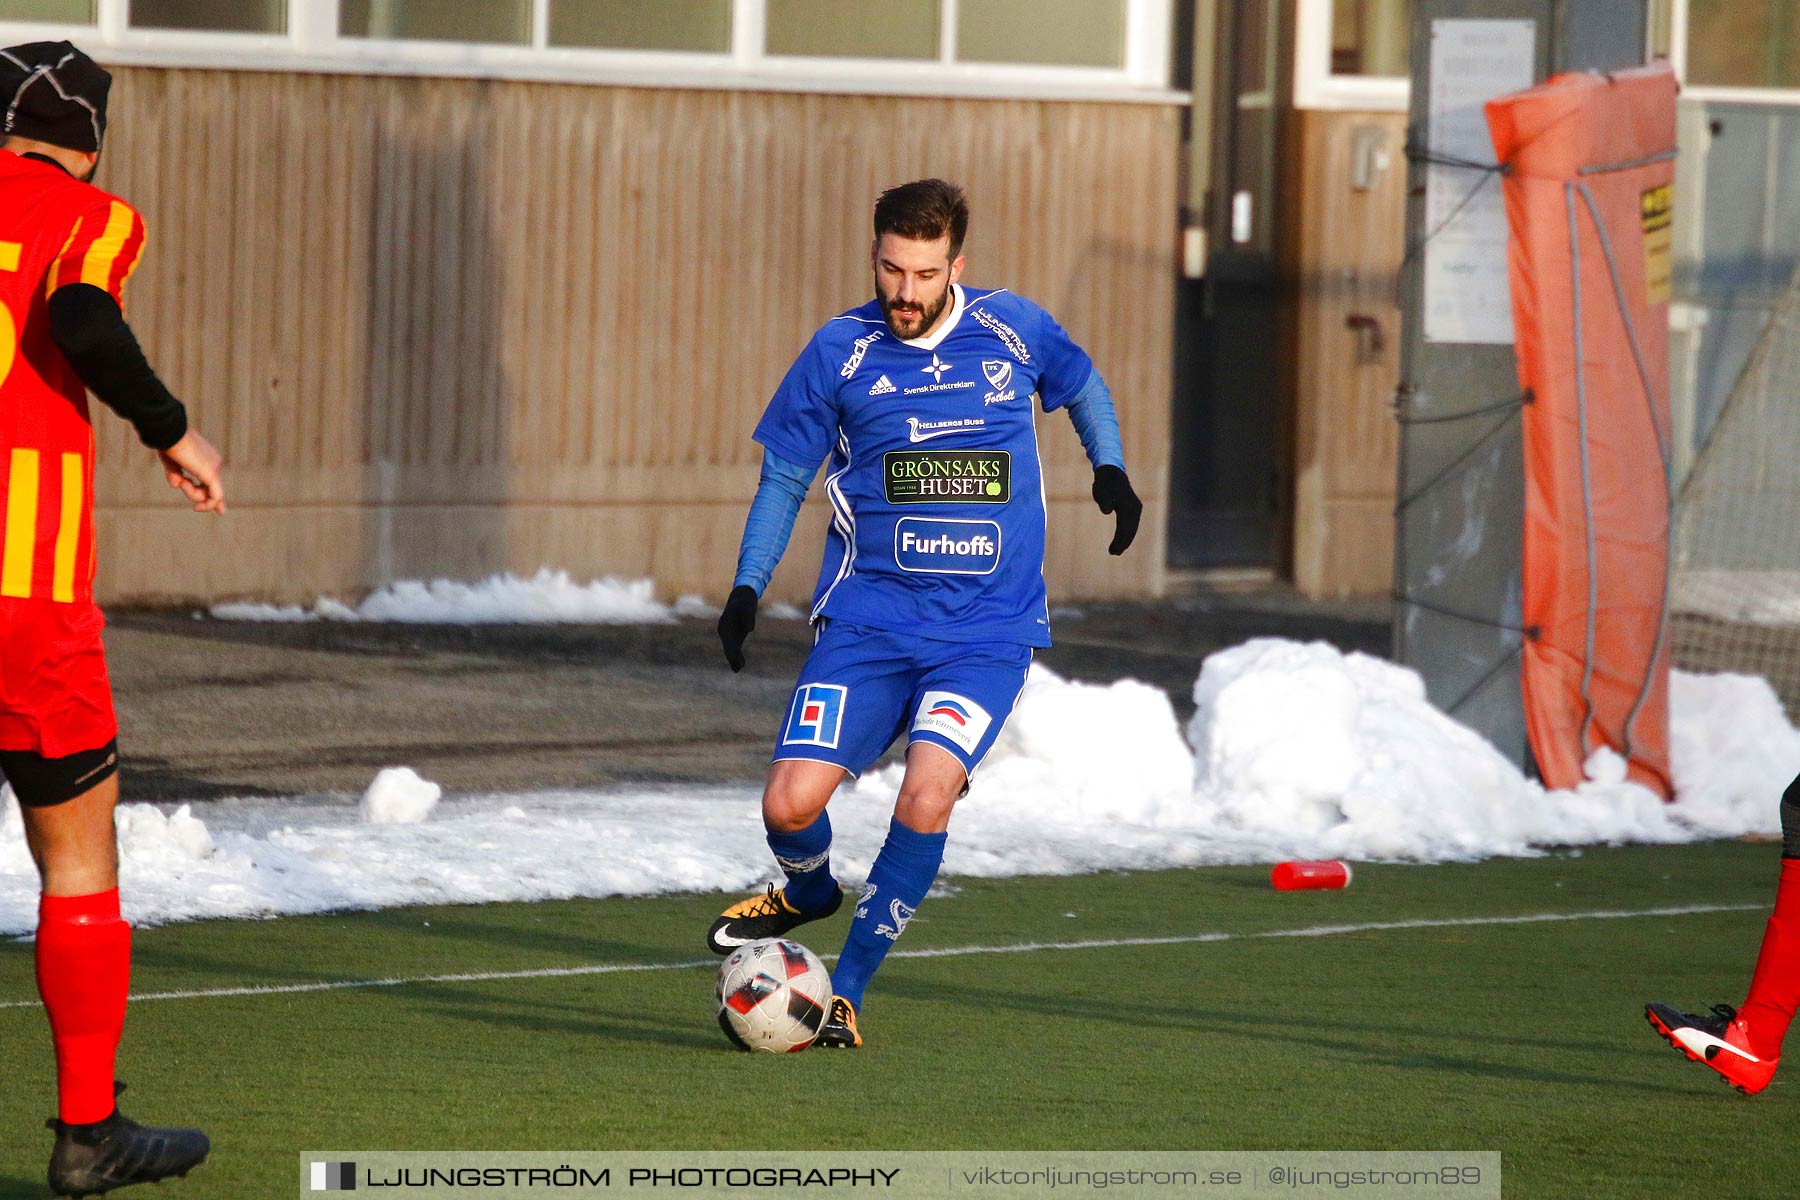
x=1736, y=597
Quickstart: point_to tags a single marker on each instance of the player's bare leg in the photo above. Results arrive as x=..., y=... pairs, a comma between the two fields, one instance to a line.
x=73, y=843
x=933, y=784
x=83, y=969
x=902, y=874
x=797, y=792
x=793, y=807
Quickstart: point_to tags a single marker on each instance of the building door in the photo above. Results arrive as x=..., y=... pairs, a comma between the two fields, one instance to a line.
x=1225, y=491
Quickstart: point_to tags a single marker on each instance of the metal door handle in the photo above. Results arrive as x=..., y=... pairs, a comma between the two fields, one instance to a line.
x=1371, y=343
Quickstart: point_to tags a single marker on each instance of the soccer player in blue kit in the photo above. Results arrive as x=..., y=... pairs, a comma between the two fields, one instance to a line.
x=931, y=597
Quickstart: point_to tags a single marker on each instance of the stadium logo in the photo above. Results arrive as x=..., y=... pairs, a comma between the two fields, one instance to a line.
x=334, y=1177
x=957, y=719
x=936, y=369
x=817, y=716
x=946, y=476
x=924, y=431
x=1015, y=345
x=883, y=386
x=946, y=546
x=857, y=350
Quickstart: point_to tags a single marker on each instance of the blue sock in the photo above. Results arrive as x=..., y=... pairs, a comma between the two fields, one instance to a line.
x=805, y=855
x=898, y=881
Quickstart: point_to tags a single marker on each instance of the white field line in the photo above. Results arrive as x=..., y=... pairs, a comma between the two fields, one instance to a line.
x=947, y=951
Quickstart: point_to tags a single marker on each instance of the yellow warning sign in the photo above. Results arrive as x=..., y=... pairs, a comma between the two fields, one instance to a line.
x=1658, y=208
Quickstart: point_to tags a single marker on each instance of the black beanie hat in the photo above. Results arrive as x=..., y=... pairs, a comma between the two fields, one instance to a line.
x=53, y=93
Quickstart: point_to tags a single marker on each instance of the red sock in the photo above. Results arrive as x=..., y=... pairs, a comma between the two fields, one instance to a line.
x=1775, y=988
x=83, y=974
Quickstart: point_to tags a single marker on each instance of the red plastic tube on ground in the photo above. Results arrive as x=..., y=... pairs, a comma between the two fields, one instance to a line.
x=1309, y=875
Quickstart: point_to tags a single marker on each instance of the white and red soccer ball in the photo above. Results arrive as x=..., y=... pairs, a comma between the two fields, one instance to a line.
x=773, y=996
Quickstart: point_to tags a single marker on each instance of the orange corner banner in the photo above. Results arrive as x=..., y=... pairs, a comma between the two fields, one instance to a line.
x=1588, y=164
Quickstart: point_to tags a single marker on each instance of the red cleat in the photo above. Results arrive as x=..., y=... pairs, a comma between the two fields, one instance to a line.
x=1719, y=1040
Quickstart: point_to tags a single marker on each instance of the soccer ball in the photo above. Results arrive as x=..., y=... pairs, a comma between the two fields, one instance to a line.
x=773, y=995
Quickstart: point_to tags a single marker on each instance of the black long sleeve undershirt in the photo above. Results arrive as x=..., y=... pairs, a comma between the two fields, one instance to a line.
x=89, y=329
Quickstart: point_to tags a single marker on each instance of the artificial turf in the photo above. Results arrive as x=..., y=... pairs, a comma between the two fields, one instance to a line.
x=1526, y=1038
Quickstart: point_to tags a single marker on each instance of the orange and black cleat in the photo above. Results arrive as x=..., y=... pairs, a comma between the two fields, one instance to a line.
x=839, y=1031
x=766, y=916
x=1717, y=1039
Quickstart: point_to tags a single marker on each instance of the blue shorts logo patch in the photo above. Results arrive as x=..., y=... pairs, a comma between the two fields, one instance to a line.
x=955, y=718
x=946, y=546
x=817, y=717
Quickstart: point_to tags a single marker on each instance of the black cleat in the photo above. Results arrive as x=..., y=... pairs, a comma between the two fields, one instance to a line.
x=839, y=1030
x=89, y=1160
x=766, y=916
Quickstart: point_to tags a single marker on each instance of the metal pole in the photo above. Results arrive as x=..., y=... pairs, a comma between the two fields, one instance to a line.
x=1459, y=534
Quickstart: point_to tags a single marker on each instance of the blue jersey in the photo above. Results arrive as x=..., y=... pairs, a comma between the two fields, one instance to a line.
x=936, y=492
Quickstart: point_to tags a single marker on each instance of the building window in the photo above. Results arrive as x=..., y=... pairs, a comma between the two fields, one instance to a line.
x=1066, y=33
x=702, y=26
x=1064, y=49
x=230, y=16
x=1370, y=37
x=73, y=12
x=501, y=22
x=1352, y=55
x=1743, y=43
x=839, y=29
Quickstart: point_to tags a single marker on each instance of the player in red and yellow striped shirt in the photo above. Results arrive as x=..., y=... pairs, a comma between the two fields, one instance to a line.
x=66, y=250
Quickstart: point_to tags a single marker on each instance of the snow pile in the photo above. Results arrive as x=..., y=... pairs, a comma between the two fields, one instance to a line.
x=1303, y=751
x=1341, y=756
x=1732, y=752
x=255, y=858
x=1083, y=777
x=399, y=797
x=1295, y=751
x=546, y=598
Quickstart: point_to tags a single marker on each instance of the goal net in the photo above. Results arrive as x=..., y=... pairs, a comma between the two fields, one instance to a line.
x=1736, y=557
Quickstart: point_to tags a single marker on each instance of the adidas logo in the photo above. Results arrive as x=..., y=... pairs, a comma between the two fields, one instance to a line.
x=882, y=387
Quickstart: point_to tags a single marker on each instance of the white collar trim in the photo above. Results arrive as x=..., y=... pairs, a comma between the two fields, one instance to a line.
x=956, y=313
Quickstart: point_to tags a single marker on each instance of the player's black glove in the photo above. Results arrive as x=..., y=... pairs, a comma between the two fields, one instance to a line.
x=736, y=622
x=1112, y=492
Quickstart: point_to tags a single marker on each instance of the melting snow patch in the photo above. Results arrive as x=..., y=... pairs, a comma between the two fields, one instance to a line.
x=549, y=597
x=1294, y=751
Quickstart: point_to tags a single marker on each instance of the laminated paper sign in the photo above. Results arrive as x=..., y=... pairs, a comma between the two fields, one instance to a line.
x=1465, y=220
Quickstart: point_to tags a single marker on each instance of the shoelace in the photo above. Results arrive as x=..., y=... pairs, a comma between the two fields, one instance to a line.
x=1725, y=1013
x=767, y=905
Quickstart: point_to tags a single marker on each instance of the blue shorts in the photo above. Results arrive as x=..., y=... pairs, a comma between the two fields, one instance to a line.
x=862, y=687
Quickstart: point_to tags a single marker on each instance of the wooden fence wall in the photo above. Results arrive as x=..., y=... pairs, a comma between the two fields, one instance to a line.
x=451, y=327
